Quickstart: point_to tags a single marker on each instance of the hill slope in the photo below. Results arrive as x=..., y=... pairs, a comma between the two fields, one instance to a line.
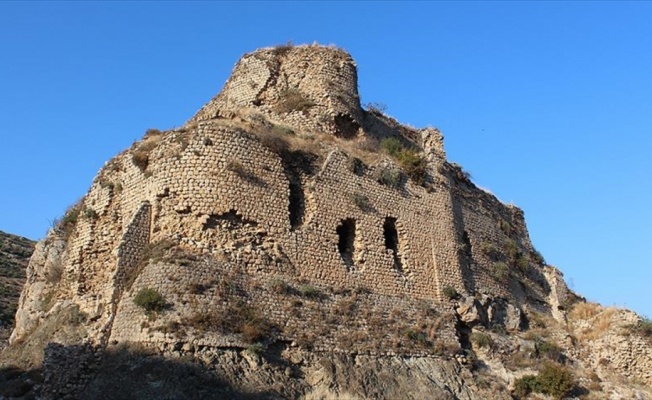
x=15, y=252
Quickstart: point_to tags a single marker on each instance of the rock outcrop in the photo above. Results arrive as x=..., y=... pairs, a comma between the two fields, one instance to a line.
x=286, y=242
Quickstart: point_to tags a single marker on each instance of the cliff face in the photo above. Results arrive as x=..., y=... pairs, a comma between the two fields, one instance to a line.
x=288, y=234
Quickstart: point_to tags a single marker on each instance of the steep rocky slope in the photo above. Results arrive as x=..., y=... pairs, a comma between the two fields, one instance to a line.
x=15, y=252
x=287, y=243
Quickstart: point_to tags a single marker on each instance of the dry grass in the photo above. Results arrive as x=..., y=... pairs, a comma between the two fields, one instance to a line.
x=600, y=324
x=292, y=100
x=584, y=311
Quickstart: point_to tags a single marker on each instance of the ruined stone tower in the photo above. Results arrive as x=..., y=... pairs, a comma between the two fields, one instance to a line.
x=281, y=176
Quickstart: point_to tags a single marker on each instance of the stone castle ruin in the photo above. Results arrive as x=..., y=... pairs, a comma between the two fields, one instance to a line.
x=270, y=177
x=284, y=211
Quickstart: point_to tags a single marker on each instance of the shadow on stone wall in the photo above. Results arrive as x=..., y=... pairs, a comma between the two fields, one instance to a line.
x=465, y=253
x=123, y=373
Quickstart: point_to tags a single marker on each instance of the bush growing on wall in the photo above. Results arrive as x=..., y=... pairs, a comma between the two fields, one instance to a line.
x=149, y=300
x=413, y=163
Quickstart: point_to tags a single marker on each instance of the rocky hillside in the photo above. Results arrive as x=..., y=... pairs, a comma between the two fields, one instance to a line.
x=288, y=243
x=15, y=252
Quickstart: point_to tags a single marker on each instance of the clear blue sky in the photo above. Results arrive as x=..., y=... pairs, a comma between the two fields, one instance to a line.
x=549, y=105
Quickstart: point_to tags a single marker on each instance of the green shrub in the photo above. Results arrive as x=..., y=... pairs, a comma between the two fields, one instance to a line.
x=525, y=385
x=537, y=257
x=389, y=177
x=279, y=286
x=66, y=224
x=392, y=146
x=361, y=201
x=488, y=249
x=412, y=162
x=553, y=379
x=149, y=300
x=548, y=350
x=89, y=213
x=450, y=293
x=309, y=291
x=414, y=165
x=418, y=337
x=255, y=348
x=482, y=339
x=511, y=248
x=500, y=271
x=523, y=263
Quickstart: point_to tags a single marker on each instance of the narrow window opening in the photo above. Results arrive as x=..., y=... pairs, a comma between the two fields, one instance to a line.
x=391, y=241
x=345, y=244
x=297, y=203
x=468, y=251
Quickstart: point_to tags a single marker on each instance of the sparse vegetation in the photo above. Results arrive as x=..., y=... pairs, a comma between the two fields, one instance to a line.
x=140, y=159
x=149, y=300
x=537, y=257
x=488, y=249
x=356, y=166
x=500, y=271
x=642, y=328
x=275, y=139
x=89, y=213
x=522, y=263
x=361, y=201
x=376, y=107
x=309, y=291
x=237, y=318
x=389, y=177
x=392, y=146
x=283, y=49
x=418, y=336
x=54, y=272
x=412, y=162
x=140, y=156
x=481, y=339
x=255, y=348
x=66, y=225
x=292, y=100
x=450, y=293
x=548, y=349
x=239, y=169
x=279, y=286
